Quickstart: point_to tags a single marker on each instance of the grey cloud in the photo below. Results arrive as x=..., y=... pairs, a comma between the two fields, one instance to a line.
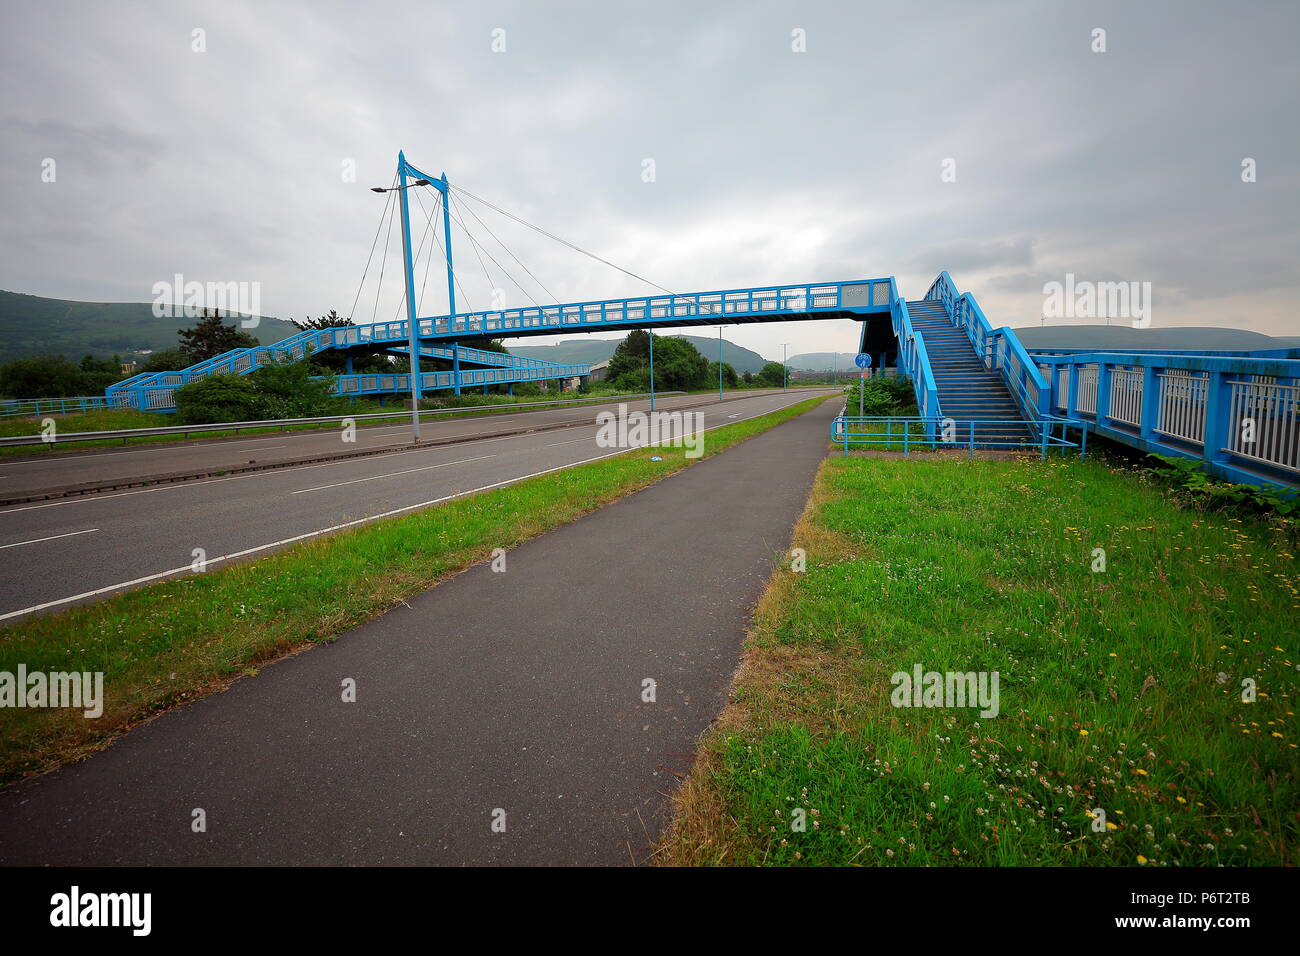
x=772, y=166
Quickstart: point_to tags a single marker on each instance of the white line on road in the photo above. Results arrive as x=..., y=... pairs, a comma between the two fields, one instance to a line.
x=393, y=474
x=19, y=544
x=338, y=527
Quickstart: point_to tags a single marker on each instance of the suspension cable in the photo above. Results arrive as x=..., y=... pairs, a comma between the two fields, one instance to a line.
x=565, y=242
x=475, y=242
x=470, y=209
x=383, y=263
x=388, y=198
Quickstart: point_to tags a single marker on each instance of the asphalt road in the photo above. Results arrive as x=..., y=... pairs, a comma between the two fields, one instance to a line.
x=72, y=550
x=519, y=693
x=40, y=471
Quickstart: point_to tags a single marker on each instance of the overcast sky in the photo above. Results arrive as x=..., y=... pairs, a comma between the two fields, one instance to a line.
x=770, y=165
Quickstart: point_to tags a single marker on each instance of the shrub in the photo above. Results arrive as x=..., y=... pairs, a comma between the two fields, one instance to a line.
x=218, y=398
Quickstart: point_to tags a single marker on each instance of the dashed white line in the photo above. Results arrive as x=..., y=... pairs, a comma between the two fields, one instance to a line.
x=19, y=544
x=393, y=474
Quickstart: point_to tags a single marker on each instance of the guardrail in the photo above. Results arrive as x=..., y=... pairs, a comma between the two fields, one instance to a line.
x=1240, y=416
x=912, y=356
x=128, y=433
x=951, y=434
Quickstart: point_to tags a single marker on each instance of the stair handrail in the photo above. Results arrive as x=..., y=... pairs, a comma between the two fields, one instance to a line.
x=914, y=359
x=999, y=350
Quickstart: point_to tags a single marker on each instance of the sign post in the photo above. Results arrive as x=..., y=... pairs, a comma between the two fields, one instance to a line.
x=862, y=361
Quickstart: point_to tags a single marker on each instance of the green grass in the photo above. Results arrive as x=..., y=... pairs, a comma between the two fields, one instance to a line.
x=1119, y=690
x=174, y=641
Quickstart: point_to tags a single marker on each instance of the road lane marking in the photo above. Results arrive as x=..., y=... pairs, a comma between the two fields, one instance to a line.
x=571, y=441
x=148, y=578
x=19, y=544
x=394, y=474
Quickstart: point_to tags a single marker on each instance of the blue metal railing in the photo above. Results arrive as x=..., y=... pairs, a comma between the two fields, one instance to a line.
x=1239, y=416
x=951, y=434
x=998, y=349
x=161, y=398
x=913, y=358
x=861, y=295
x=14, y=407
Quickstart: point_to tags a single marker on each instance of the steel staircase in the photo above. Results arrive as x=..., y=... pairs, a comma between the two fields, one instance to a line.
x=967, y=390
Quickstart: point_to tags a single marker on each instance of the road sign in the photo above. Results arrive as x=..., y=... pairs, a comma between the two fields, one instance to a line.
x=863, y=360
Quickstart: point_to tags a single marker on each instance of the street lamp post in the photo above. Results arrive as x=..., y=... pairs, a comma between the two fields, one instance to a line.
x=652, y=369
x=412, y=338
x=785, y=377
x=719, y=363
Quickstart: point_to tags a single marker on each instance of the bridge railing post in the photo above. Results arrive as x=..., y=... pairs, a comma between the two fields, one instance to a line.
x=1217, y=414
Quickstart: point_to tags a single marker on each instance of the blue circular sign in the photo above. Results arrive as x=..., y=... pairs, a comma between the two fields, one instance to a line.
x=863, y=360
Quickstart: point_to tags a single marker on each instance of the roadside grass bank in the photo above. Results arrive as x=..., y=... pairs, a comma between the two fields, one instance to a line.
x=1120, y=689
x=177, y=640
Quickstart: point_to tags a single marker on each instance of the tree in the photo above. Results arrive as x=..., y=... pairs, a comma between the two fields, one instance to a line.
x=729, y=376
x=749, y=378
x=632, y=355
x=41, y=376
x=773, y=373
x=168, y=360
x=331, y=321
x=98, y=374
x=678, y=363
x=211, y=337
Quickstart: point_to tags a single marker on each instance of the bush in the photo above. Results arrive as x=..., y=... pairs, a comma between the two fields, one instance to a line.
x=884, y=396
x=218, y=398
x=285, y=390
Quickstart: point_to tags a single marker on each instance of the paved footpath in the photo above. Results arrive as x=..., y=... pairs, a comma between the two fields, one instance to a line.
x=518, y=692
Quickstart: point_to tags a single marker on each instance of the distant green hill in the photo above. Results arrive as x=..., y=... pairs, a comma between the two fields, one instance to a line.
x=595, y=351
x=32, y=325
x=821, y=361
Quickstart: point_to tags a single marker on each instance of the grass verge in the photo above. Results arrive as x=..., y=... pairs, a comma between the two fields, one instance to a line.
x=175, y=641
x=1120, y=690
